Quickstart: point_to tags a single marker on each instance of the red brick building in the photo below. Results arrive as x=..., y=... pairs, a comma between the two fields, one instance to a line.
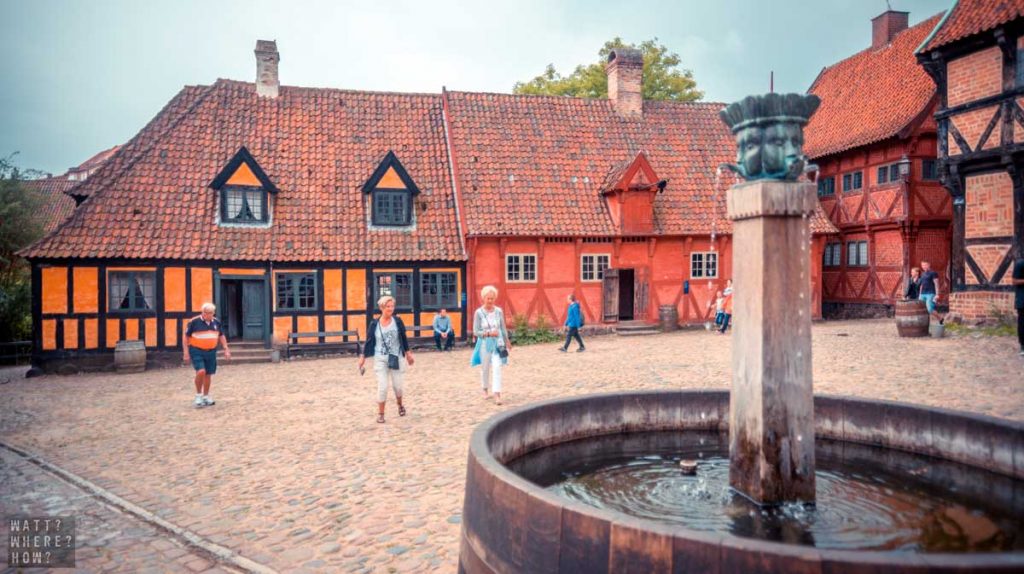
x=976, y=58
x=874, y=140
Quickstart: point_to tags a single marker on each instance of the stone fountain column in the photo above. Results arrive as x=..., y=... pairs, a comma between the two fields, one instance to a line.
x=771, y=418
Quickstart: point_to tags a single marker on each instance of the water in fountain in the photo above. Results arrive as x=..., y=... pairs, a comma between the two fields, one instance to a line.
x=868, y=498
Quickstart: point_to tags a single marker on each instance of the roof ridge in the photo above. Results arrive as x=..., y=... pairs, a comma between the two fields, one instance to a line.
x=583, y=98
x=229, y=81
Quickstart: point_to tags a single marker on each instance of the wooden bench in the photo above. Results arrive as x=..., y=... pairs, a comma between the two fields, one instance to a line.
x=420, y=336
x=322, y=345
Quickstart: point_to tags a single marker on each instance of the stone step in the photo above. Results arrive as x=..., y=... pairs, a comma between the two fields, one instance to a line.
x=637, y=332
x=246, y=353
x=244, y=360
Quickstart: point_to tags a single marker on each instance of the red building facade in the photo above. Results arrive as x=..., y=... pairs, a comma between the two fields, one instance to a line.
x=976, y=59
x=614, y=200
x=874, y=140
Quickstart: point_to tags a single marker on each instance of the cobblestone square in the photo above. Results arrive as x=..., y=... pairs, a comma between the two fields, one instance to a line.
x=291, y=470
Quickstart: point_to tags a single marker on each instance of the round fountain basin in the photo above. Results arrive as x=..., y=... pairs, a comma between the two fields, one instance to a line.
x=511, y=524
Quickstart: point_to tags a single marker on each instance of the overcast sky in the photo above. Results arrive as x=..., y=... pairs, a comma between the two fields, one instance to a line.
x=78, y=77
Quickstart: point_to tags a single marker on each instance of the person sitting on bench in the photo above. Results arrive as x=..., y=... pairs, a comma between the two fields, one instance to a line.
x=443, y=330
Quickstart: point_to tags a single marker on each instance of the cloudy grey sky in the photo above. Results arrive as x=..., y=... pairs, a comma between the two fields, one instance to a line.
x=80, y=76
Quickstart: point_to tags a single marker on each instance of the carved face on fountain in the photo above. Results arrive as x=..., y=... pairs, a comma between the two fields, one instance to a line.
x=769, y=135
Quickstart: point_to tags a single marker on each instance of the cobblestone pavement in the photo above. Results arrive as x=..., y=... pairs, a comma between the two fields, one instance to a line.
x=107, y=539
x=290, y=468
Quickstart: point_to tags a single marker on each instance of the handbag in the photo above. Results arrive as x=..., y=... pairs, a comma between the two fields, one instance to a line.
x=393, y=363
x=503, y=352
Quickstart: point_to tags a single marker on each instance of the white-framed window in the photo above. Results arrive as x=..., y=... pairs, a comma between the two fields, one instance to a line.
x=833, y=255
x=704, y=265
x=857, y=253
x=521, y=267
x=592, y=266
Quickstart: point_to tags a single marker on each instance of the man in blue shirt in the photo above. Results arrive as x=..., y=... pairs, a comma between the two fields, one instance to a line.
x=443, y=330
x=1018, y=287
x=929, y=289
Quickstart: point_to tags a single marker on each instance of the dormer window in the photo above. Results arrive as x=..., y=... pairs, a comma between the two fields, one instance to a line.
x=243, y=205
x=244, y=191
x=391, y=192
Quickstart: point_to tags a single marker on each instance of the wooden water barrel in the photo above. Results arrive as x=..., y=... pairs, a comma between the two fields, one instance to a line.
x=668, y=315
x=130, y=356
x=911, y=318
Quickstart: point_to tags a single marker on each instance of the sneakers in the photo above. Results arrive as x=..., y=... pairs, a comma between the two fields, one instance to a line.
x=563, y=349
x=208, y=402
x=580, y=350
x=199, y=401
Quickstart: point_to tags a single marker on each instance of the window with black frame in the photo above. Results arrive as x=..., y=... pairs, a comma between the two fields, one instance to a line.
x=397, y=285
x=296, y=291
x=439, y=290
x=929, y=169
x=826, y=186
x=131, y=291
x=243, y=205
x=392, y=207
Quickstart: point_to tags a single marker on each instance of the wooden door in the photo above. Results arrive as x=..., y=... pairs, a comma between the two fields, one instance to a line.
x=610, y=295
x=641, y=292
x=252, y=310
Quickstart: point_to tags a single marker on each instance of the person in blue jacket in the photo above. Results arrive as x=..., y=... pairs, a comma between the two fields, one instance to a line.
x=573, y=322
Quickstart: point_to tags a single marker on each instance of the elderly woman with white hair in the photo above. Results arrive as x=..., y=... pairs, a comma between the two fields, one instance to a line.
x=387, y=344
x=492, y=343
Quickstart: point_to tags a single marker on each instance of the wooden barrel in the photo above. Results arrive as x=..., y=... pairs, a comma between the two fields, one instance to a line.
x=130, y=356
x=669, y=317
x=911, y=318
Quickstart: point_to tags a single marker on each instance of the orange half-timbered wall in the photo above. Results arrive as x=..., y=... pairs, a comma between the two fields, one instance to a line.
x=663, y=261
x=72, y=315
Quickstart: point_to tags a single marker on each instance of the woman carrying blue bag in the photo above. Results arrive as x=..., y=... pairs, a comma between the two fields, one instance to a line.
x=492, y=343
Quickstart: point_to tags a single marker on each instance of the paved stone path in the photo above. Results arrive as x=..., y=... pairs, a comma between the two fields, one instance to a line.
x=107, y=539
x=291, y=470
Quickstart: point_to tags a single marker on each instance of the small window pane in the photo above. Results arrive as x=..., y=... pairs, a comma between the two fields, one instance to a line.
x=390, y=207
x=847, y=181
x=711, y=265
x=929, y=169
x=588, y=268
x=883, y=174
x=863, y=252
x=602, y=265
x=697, y=265
x=131, y=291
x=529, y=267
x=858, y=180
x=513, y=268
x=296, y=291
x=894, y=172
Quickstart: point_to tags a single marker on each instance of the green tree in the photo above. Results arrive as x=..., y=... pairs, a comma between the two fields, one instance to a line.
x=19, y=227
x=663, y=78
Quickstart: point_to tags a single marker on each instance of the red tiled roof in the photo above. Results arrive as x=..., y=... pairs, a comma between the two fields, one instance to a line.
x=152, y=198
x=535, y=165
x=970, y=17
x=870, y=96
x=57, y=205
x=91, y=164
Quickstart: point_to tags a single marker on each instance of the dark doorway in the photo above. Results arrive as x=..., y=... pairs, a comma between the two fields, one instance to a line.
x=625, y=294
x=243, y=309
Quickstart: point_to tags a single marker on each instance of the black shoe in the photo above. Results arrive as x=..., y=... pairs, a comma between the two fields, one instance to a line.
x=580, y=350
x=563, y=349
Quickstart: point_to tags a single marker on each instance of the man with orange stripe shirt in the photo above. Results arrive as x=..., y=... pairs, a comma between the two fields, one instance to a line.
x=200, y=346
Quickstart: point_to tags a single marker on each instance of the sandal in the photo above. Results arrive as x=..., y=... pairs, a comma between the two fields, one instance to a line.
x=380, y=418
x=401, y=411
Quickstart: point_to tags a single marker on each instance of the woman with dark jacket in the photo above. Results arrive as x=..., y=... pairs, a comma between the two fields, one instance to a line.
x=387, y=344
x=913, y=285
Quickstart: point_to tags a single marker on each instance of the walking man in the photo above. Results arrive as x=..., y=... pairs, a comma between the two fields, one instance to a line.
x=200, y=346
x=443, y=330
x=573, y=322
x=1018, y=287
x=930, y=290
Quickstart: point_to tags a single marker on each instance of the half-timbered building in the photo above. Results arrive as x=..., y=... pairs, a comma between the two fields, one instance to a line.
x=292, y=209
x=615, y=200
x=874, y=141
x=976, y=58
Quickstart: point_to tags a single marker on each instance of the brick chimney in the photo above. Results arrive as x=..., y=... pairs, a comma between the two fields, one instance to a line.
x=625, y=69
x=267, y=58
x=885, y=26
